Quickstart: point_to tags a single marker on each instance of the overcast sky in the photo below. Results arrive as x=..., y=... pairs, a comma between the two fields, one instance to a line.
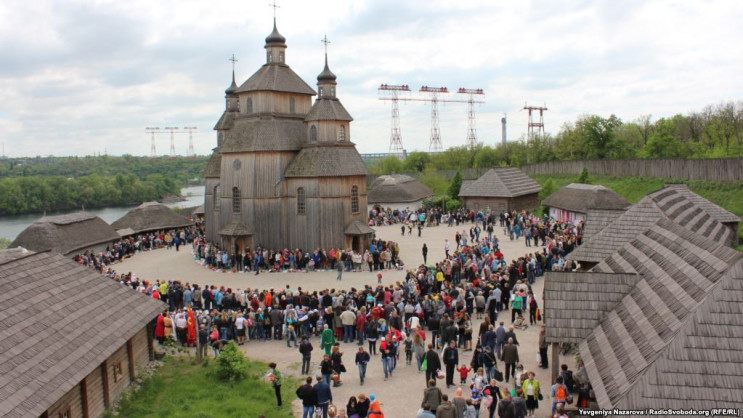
x=87, y=77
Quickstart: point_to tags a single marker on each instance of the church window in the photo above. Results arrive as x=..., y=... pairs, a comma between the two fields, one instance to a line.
x=291, y=105
x=235, y=200
x=217, y=197
x=332, y=92
x=313, y=133
x=281, y=56
x=249, y=105
x=322, y=91
x=354, y=199
x=268, y=56
x=118, y=372
x=301, y=201
x=342, y=136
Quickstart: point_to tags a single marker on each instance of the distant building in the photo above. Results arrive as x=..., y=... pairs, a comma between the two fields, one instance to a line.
x=573, y=202
x=150, y=216
x=501, y=189
x=67, y=234
x=285, y=173
x=397, y=191
x=71, y=340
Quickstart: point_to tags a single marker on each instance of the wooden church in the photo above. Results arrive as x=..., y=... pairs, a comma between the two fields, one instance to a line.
x=285, y=173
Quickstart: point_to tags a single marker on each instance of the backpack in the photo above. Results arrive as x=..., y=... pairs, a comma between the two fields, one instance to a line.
x=560, y=393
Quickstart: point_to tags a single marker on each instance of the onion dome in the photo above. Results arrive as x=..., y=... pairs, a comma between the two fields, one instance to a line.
x=275, y=38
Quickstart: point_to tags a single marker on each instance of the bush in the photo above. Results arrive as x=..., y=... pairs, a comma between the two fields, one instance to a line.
x=231, y=363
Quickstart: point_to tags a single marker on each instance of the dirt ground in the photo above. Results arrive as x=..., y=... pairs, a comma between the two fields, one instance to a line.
x=401, y=395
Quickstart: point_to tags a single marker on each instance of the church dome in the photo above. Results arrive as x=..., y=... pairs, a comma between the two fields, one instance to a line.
x=233, y=87
x=326, y=74
x=275, y=38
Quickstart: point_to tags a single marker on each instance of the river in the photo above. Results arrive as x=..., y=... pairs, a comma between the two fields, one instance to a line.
x=11, y=226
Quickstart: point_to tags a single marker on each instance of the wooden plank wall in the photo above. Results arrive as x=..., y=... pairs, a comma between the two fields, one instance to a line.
x=94, y=385
x=71, y=400
x=117, y=388
x=721, y=169
x=273, y=102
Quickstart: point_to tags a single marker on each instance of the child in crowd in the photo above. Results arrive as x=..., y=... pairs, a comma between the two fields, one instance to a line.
x=463, y=372
x=408, y=349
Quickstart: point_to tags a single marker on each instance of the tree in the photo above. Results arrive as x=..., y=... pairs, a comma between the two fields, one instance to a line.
x=584, y=176
x=456, y=184
x=547, y=189
x=416, y=162
x=386, y=165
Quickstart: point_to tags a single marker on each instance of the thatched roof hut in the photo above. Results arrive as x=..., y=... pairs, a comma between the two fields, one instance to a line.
x=151, y=216
x=398, y=190
x=674, y=339
x=579, y=197
x=66, y=234
x=668, y=203
x=71, y=340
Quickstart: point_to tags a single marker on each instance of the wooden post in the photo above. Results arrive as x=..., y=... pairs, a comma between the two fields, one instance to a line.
x=130, y=352
x=84, y=397
x=106, y=392
x=555, y=361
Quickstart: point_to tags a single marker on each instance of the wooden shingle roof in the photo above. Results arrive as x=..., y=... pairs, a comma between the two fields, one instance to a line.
x=665, y=203
x=327, y=160
x=501, y=182
x=276, y=77
x=397, y=188
x=255, y=134
x=578, y=197
x=679, y=269
x=150, y=216
x=58, y=322
x=574, y=303
x=328, y=109
x=66, y=234
x=214, y=165
x=717, y=212
x=598, y=219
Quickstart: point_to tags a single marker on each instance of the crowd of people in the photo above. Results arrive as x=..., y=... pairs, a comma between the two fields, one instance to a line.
x=425, y=319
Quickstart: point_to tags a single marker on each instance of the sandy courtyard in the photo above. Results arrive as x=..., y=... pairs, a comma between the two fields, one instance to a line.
x=401, y=395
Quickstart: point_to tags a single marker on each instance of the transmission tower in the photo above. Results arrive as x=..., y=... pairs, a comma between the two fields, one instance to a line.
x=172, y=139
x=153, y=131
x=471, y=129
x=530, y=135
x=190, y=130
x=435, y=144
x=395, y=134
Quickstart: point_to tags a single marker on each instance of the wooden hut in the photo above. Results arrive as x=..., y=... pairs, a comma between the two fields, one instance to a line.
x=572, y=202
x=500, y=190
x=397, y=191
x=71, y=340
x=67, y=234
x=730, y=220
x=674, y=340
x=668, y=203
x=151, y=216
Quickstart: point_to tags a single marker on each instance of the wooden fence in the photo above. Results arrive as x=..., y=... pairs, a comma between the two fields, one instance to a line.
x=723, y=169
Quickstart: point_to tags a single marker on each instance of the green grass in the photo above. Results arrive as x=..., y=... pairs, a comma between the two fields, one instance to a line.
x=185, y=388
x=728, y=195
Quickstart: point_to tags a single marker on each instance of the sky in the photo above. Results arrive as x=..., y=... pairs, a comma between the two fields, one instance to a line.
x=87, y=77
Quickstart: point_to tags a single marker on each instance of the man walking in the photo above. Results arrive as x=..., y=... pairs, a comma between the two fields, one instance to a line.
x=307, y=394
x=362, y=359
x=323, y=396
x=451, y=359
x=510, y=358
x=433, y=363
x=425, y=253
x=305, y=348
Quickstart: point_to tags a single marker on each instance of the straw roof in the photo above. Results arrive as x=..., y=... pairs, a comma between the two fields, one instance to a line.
x=501, y=182
x=575, y=303
x=397, y=188
x=668, y=323
x=60, y=321
x=578, y=197
x=665, y=203
x=151, y=216
x=598, y=219
x=66, y=234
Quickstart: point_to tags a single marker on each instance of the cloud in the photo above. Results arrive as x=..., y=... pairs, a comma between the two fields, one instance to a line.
x=80, y=77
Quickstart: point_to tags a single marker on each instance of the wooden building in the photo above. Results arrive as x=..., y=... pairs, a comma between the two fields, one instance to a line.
x=670, y=202
x=151, y=216
x=573, y=202
x=67, y=234
x=285, y=173
x=71, y=340
x=658, y=322
x=397, y=191
x=500, y=190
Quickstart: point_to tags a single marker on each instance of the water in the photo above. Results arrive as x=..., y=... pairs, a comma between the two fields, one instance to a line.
x=11, y=226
